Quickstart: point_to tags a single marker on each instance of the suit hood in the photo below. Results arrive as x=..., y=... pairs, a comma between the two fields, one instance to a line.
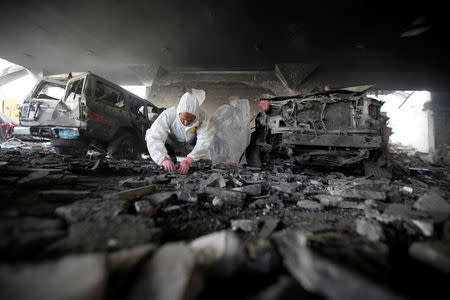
x=188, y=103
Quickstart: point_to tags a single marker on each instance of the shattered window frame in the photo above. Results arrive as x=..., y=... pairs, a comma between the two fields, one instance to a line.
x=118, y=101
x=38, y=92
x=69, y=91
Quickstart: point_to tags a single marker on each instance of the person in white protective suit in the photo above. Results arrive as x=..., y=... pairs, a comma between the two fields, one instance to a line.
x=180, y=130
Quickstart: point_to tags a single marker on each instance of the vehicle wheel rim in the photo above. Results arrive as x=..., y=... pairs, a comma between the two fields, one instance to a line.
x=127, y=149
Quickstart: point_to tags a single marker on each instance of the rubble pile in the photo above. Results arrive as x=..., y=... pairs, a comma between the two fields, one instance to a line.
x=406, y=160
x=91, y=228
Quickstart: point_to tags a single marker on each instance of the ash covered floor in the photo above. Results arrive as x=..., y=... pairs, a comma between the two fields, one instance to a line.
x=96, y=228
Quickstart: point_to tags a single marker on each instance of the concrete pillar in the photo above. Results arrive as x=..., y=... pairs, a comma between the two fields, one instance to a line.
x=441, y=112
x=431, y=139
x=148, y=92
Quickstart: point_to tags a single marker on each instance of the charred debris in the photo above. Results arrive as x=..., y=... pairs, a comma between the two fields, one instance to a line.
x=100, y=228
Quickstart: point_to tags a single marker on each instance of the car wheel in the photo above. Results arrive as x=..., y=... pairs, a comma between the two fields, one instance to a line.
x=253, y=156
x=125, y=146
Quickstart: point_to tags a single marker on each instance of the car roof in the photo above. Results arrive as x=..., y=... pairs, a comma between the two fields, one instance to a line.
x=135, y=98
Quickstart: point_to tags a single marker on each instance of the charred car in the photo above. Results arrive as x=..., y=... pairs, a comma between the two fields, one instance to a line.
x=84, y=110
x=332, y=128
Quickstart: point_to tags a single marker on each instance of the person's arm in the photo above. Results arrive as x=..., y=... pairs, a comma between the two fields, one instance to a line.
x=156, y=136
x=205, y=136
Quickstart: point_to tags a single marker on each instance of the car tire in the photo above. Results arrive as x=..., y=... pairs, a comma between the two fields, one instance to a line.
x=253, y=156
x=124, y=146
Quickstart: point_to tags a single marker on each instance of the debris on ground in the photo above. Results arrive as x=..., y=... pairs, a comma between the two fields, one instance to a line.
x=124, y=229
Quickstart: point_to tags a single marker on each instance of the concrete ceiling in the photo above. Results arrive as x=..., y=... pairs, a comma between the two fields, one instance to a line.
x=397, y=46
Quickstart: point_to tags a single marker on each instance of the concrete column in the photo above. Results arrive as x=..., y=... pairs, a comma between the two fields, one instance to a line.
x=431, y=139
x=441, y=119
x=148, y=92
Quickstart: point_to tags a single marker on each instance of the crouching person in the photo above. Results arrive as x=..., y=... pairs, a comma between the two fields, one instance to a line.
x=180, y=130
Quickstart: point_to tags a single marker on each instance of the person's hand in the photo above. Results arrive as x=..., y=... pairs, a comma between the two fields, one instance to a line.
x=168, y=165
x=185, y=165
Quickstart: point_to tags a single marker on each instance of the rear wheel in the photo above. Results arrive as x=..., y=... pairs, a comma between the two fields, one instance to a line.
x=253, y=156
x=124, y=146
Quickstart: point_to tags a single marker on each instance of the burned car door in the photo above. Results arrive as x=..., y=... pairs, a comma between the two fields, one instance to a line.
x=68, y=112
x=107, y=111
x=141, y=114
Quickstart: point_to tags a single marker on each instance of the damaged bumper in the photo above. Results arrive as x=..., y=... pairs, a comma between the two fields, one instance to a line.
x=22, y=131
x=332, y=140
x=48, y=132
x=345, y=149
x=336, y=158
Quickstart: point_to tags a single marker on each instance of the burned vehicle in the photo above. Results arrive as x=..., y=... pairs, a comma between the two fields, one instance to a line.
x=39, y=105
x=331, y=128
x=85, y=110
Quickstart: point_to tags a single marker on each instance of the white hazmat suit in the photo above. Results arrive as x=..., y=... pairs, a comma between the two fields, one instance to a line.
x=168, y=124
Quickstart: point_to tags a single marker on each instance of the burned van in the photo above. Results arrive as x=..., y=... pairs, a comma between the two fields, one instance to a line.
x=331, y=128
x=91, y=112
